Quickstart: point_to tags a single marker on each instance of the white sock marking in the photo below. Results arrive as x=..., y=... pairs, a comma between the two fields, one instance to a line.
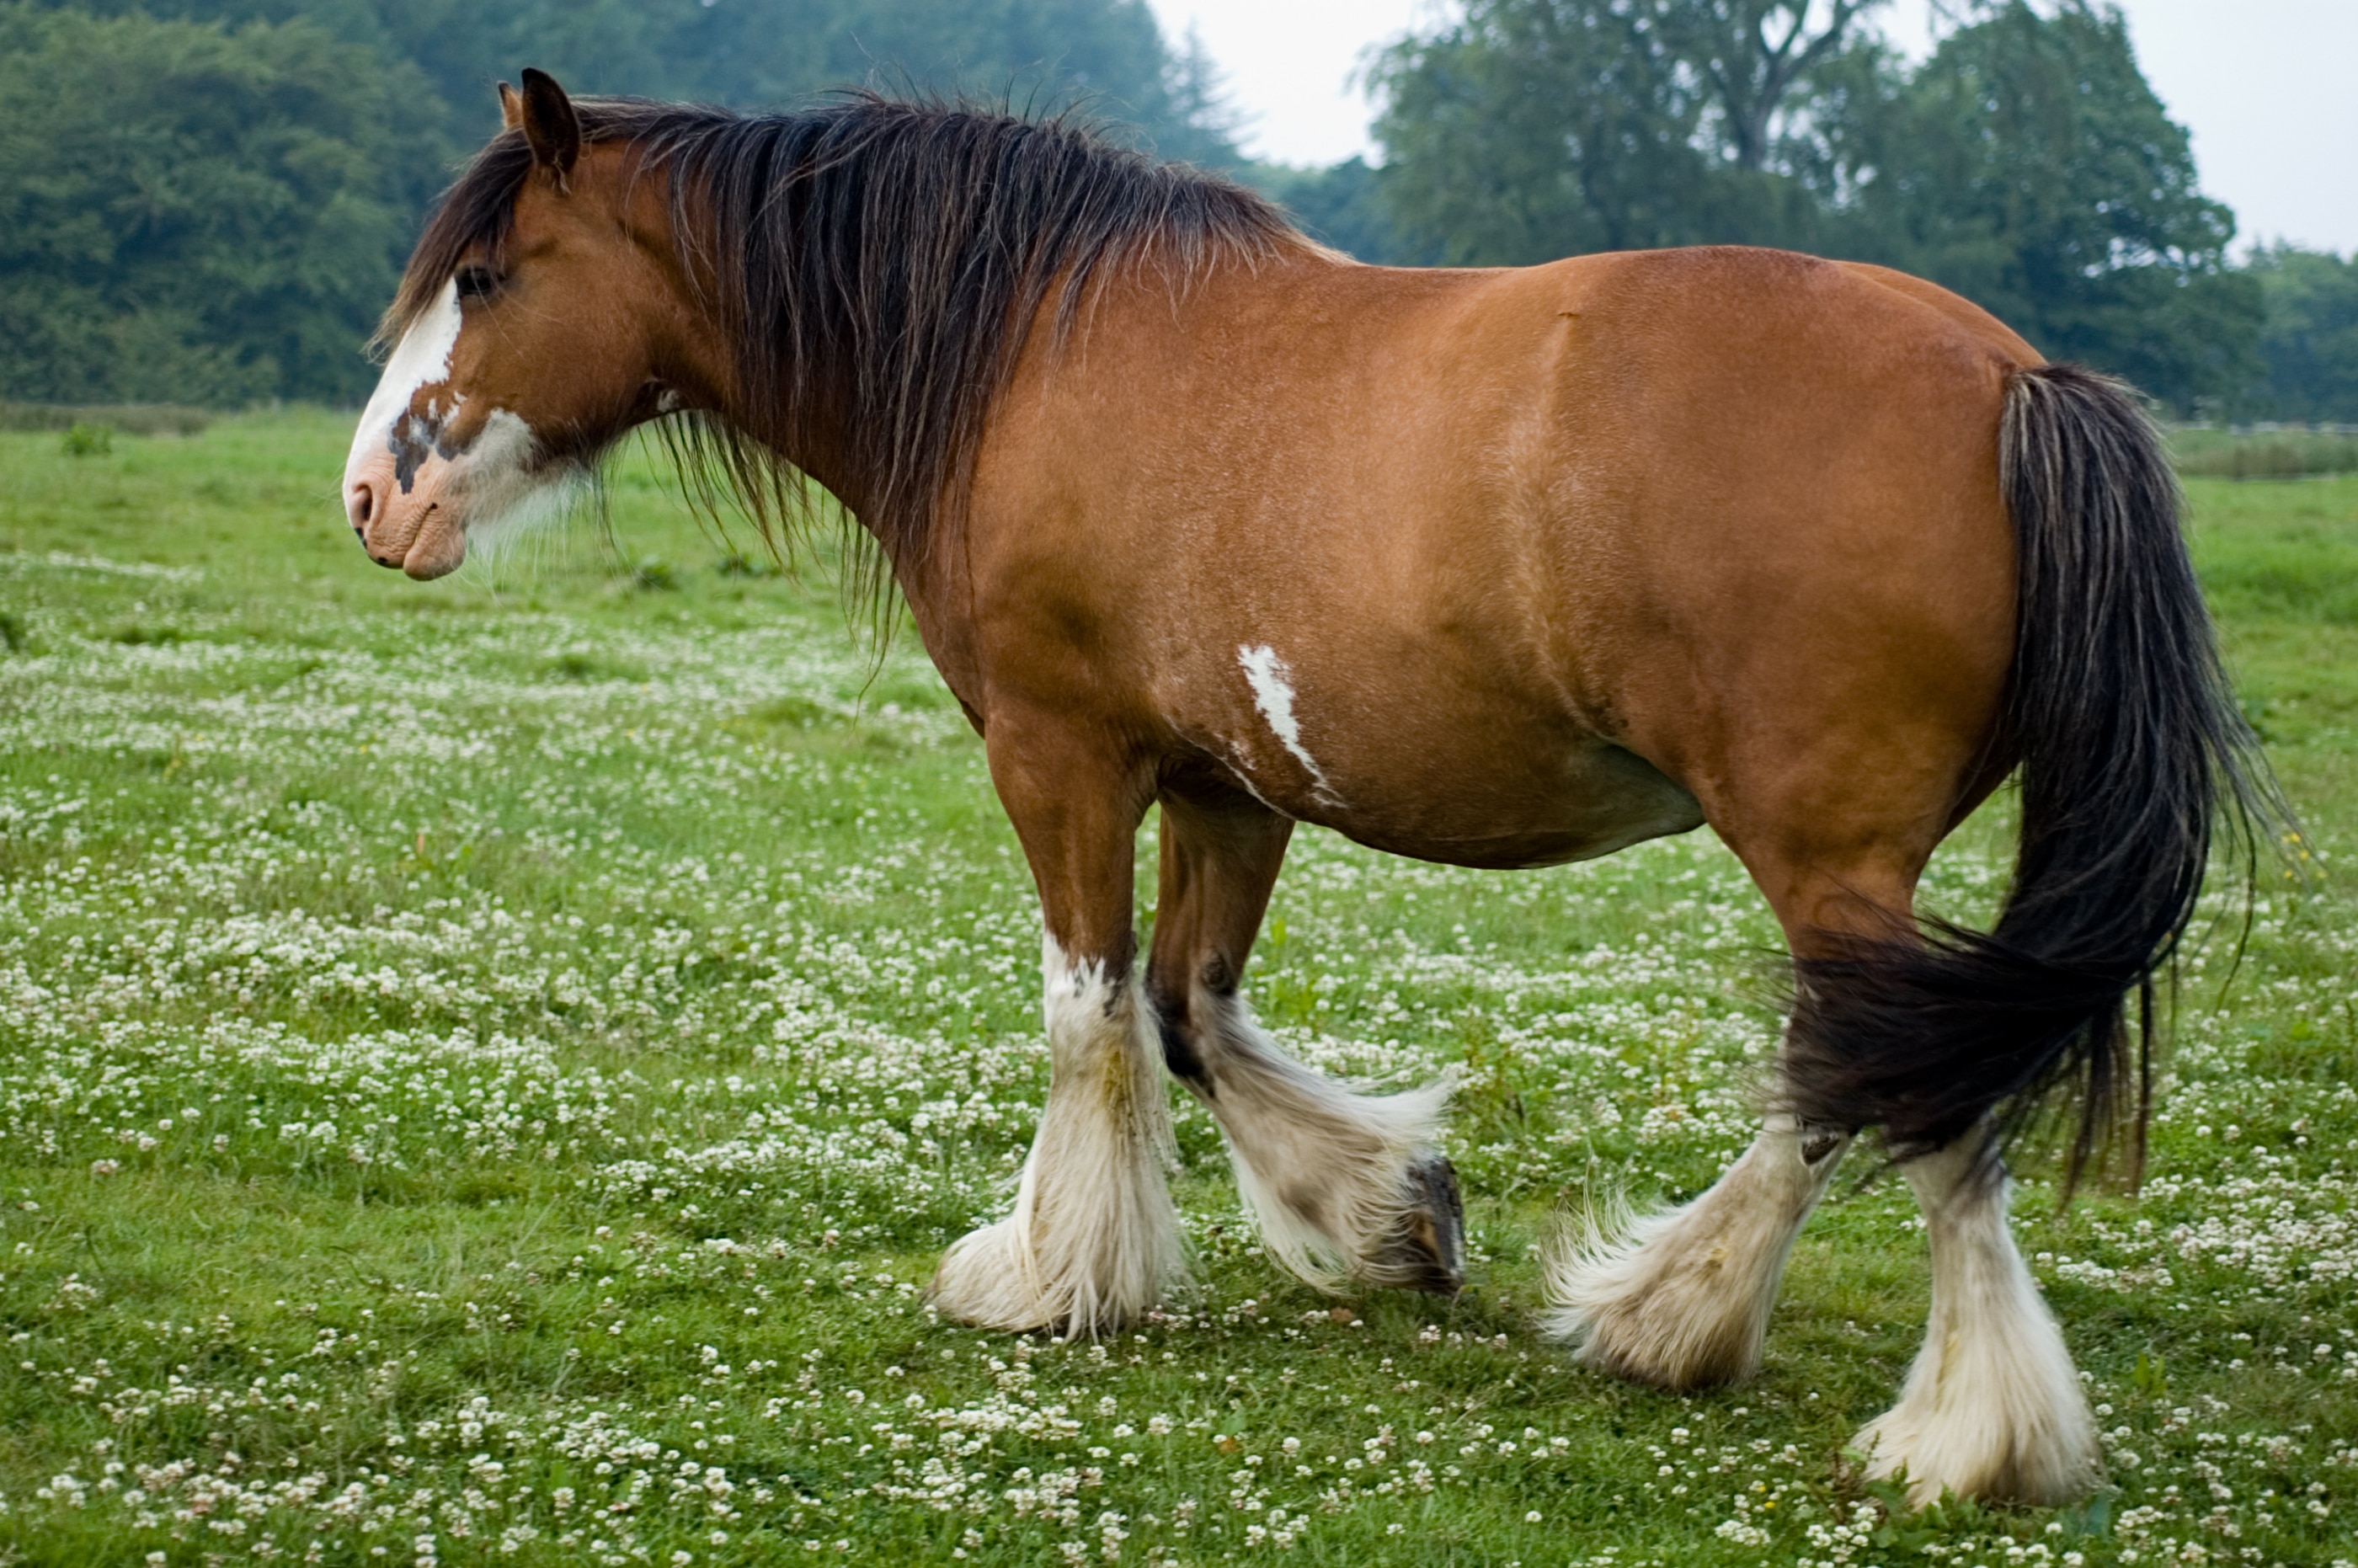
x=1682, y=1299
x=1094, y=1239
x=1322, y=1168
x=1993, y=1407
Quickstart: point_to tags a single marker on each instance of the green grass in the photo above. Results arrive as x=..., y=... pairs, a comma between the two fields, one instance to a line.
x=489, y=1068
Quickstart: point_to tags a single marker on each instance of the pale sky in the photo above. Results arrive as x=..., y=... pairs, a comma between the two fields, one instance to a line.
x=2265, y=86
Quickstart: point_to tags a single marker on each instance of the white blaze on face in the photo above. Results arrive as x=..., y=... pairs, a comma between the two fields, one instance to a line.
x=1273, y=689
x=409, y=459
x=421, y=359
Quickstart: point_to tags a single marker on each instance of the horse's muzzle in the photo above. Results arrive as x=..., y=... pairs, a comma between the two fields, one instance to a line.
x=418, y=530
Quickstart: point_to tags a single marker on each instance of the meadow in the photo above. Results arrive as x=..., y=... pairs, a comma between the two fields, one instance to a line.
x=486, y=1070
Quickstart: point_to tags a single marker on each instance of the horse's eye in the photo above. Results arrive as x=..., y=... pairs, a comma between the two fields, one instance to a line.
x=475, y=282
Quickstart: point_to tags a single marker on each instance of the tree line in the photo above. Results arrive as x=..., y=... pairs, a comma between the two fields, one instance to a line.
x=208, y=200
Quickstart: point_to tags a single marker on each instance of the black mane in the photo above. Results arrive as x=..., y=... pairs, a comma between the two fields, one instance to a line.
x=876, y=261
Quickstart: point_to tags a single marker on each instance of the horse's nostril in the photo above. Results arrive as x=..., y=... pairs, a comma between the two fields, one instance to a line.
x=360, y=506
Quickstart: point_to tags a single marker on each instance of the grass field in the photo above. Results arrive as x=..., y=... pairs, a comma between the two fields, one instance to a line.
x=486, y=1069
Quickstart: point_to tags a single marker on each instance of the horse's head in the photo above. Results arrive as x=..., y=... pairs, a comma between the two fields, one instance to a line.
x=525, y=339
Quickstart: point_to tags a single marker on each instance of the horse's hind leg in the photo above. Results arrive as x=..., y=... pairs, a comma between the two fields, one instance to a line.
x=1683, y=1299
x=1093, y=1239
x=1993, y=1407
x=1341, y=1184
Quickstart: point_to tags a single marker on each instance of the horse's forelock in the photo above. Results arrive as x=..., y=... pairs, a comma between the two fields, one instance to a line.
x=476, y=210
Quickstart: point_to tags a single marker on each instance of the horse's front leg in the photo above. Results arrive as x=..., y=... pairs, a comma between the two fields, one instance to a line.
x=1093, y=1240
x=1341, y=1184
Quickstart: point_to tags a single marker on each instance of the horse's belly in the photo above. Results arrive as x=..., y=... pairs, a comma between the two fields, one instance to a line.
x=1534, y=801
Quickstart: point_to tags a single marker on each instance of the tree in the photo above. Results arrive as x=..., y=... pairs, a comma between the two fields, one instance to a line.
x=1535, y=129
x=2309, y=339
x=1200, y=120
x=2028, y=165
x=1754, y=54
x=1107, y=55
x=192, y=213
x=1342, y=205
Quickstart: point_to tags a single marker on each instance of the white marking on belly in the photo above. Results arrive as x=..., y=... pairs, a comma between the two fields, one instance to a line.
x=1273, y=689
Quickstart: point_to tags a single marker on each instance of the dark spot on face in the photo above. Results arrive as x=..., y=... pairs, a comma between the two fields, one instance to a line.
x=414, y=439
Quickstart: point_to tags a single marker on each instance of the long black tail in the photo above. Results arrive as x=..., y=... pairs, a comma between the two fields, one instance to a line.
x=2133, y=754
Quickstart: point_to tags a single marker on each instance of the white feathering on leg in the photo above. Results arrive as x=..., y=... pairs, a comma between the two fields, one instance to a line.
x=1093, y=1239
x=1993, y=1407
x=1681, y=1298
x=1324, y=1169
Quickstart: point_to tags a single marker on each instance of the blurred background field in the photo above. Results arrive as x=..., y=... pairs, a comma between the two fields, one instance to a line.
x=2267, y=452
x=486, y=1068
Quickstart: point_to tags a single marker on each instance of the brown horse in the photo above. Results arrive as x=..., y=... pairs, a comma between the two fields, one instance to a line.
x=1494, y=569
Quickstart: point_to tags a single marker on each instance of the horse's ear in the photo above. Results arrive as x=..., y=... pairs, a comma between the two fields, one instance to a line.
x=550, y=126
x=511, y=108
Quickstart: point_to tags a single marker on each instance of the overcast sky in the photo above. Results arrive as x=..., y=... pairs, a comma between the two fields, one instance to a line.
x=2265, y=86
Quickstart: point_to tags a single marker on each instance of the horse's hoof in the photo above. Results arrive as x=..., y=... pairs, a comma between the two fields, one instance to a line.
x=1427, y=1252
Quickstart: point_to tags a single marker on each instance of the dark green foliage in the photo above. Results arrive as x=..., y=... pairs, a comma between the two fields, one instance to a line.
x=1532, y=129
x=1342, y=205
x=754, y=53
x=2028, y=165
x=212, y=207
x=1192, y=118
x=85, y=440
x=131, y=419
x=2310, y=337
x=191, y=213
x=1539, y=128
x=2268, y=453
